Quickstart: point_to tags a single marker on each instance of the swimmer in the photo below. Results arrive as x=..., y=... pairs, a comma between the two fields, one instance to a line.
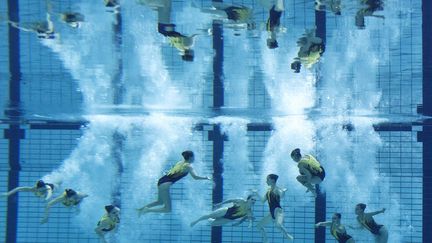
x=337, y=230
x=183, y=43
x=311, y=49
x=273, y=23
x=69, y=198
x=311, y=171
x=273, y=197
x=367, y=221
x=108, y=222
x=40, y=189
x=177, y=172
x=43, y=29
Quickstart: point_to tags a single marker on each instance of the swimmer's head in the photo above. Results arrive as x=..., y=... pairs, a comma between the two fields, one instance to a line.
x=251, y=199
x=113, y=210
x=296, y=66
x=336, y=217
x=70, y=192
x=272, y=178
x=272, y=43
x=188, y=155
x=40, y=184
x=188, y=55
x=296, y=155
x=360, y=208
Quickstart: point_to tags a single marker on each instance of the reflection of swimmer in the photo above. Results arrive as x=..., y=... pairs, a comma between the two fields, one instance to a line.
x=337, y=230
x=43, y=29
x=177, y=172
x=73, y=19
x=333, y=5
x=370, y=6
x=183, y=43
x=367, y=221
x=69, y=198
x=112, y=6
x=108, y=221
x=311, y=49
x=311, y=171
x=40, y=189
x=273, y=197
x=238, y=16
x=273, y=23
x=240, y=209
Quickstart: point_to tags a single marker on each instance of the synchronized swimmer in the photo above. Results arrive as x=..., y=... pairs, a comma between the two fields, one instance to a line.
x=180, y=170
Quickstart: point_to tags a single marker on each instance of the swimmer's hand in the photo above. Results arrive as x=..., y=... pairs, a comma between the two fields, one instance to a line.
x=44, y=220
x=209, y=178
x=216, y=205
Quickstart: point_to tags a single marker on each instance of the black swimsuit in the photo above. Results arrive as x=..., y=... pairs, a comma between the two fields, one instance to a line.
x=320, y=174
x=273, y=201
x=162, y=28
x=174, y=174
x=274, y=19
x=372, y=226
x=233, y=212
x=340, y=237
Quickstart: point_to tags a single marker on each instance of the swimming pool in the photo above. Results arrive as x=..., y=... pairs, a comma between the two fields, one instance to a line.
x=108, y=108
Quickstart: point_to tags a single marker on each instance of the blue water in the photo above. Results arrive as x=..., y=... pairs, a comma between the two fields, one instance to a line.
x=108, y=115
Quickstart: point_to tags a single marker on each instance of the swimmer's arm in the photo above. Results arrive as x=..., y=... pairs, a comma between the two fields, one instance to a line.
x=19, y=189
x=282, y=191
x=50, y=23
x=82, y=195
x=197, y=177
x=49, y=205
x=326, y=223
x=49, y=192
x=16, y=25
x=375, y=213
x=228, y=201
